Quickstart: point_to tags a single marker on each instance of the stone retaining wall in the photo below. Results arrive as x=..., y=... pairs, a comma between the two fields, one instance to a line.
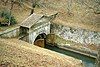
x=76, y=34
x=10, y=33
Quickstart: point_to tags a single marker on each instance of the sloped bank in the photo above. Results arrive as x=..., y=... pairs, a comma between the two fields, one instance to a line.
x=14, y=53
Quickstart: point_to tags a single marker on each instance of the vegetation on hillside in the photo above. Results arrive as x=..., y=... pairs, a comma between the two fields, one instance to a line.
x=6, y=18
x=80, y=13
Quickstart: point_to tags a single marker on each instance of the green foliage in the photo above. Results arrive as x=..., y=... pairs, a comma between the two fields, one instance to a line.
x=6, y=17
x=3, y=20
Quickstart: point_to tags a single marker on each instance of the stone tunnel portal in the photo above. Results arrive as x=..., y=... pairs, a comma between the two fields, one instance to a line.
x=40, y=40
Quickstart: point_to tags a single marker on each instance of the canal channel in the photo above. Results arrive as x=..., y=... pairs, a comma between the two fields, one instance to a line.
x=86, y=61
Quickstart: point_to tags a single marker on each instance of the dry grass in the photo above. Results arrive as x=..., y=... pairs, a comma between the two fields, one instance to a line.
x=21, y=54
x=80, y=16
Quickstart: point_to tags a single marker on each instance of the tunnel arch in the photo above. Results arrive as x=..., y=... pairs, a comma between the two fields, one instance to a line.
x=40, y=40
x=40, y=36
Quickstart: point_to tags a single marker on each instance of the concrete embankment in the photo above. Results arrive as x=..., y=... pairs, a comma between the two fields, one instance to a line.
x=85, y=53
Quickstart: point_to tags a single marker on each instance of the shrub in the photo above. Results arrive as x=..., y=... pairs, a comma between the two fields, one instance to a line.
x=5, y=15
x=3, y=20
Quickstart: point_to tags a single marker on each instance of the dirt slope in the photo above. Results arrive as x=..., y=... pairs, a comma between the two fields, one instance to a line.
x=16, y=53
x=75, y=13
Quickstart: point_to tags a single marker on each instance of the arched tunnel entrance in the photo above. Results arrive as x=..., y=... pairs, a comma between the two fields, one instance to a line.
x=40, y=40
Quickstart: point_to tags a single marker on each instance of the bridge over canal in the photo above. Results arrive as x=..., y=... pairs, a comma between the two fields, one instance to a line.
x=35, y=28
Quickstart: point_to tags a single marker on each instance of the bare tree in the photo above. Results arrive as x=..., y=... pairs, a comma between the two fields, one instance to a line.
x=12, y=2
x=34, y=3
x=69, y=7
x=39, y=3
x=91, y=4
x=5, y=2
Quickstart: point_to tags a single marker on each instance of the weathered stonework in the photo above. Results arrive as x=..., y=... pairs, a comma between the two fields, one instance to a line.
x=14, y=32
x=43, y=25
x=33, y=33
x=76, y=34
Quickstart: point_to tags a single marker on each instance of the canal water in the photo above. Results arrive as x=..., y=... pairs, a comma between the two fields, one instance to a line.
x=87, y=61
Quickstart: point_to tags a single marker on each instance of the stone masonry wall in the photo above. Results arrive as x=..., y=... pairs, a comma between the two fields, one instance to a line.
x=76, y=34
x=10, y=33
x=44, y=28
